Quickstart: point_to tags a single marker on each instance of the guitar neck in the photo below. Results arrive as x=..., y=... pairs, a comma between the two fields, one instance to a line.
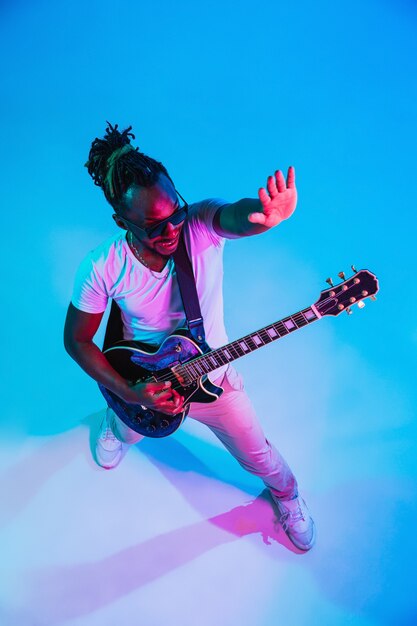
x=214, y=359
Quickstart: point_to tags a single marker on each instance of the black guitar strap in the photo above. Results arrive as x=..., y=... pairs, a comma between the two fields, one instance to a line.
x=188, y=291
x=189, y=296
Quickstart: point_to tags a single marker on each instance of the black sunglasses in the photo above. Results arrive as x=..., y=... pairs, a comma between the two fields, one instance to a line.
x=158, y=228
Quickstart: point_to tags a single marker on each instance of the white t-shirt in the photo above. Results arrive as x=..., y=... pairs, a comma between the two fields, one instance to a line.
x=150, y=301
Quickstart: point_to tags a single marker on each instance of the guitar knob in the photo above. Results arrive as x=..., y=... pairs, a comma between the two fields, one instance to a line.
x=342, y=275
x=151, y=428
x=329, y=282
x=349, y=310
x=373, y=298
x=164, y=424
x=361, y=304
x=354, y=269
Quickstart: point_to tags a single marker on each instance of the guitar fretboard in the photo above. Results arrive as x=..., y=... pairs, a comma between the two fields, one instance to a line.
x=214, y=359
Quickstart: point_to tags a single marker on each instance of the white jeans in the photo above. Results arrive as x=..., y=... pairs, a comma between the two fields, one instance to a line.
x=233, y=420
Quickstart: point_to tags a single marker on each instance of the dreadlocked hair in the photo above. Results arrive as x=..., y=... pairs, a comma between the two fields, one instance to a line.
x=114, y=165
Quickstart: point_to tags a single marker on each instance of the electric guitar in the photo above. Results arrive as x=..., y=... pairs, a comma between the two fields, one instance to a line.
x=181, y=360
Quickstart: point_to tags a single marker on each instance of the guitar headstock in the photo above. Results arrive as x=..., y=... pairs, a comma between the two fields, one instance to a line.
x=342, y=297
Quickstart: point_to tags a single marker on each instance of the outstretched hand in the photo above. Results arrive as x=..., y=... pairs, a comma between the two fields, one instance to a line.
x=278, y=199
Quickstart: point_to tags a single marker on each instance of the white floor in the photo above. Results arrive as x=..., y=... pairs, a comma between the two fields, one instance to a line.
x=180, y=534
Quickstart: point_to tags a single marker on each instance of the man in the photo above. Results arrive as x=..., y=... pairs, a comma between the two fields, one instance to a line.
x=135, y=269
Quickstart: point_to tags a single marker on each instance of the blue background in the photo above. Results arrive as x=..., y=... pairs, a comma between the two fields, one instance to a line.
x=223, y=94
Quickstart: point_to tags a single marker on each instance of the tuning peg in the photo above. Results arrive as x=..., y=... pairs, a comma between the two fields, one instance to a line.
x=373, y=298
x=348, y=310
x=342, y=275
x=329, y=282
x=361, y=304
x=354, y=269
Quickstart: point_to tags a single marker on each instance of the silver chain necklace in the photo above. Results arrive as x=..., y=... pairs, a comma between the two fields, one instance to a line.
x=142, y=260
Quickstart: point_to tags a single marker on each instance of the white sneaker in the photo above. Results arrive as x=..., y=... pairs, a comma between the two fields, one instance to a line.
x=109, y=450
x=297, y=522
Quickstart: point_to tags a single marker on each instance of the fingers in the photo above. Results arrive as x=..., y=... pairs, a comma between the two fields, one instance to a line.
x=172, y=406
x=165, y=399
x=257, y=218
x=260, y=218
x=160, y=396
x=263, y=197
x=280, y=181
x=291, y=178
x=276, y=184
x=177, y=397
x=169, y=408
x=271, y=186
x=161, y=391
x=155, y=387
x=176, y=400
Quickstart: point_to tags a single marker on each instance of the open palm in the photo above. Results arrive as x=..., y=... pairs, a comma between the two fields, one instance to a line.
x=278, y=200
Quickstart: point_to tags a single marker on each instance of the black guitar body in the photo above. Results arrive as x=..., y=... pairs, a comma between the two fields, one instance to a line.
x=137, y=363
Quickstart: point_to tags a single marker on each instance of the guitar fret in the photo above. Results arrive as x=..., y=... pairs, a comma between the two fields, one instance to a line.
x=205, y=364
x=194, y=369
x=281, y=329
x=190, y=370
x=236, y=349
x=289, y=324
x=221, y=361
x=299, y=319
x=233, y=351
x=199, y=367
x=250, y=343
x=213, y=360
x=257, y=339
x=272, y=332
x=227, y=354
x=309, y=315
x=220, y=357
x=264, y=336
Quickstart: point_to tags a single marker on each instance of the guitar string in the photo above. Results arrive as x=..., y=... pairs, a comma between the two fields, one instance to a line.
x=233, y=347
x=191, y=365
